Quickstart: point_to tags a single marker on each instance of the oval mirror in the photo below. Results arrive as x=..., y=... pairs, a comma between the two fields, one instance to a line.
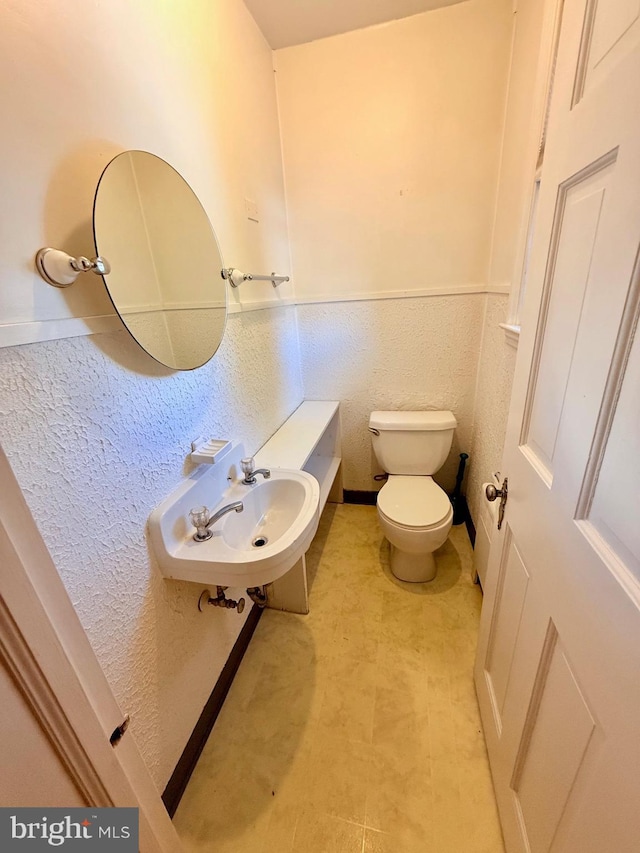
x=165, y=280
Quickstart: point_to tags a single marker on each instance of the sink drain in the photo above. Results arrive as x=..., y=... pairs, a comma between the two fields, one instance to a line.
x=259, y=541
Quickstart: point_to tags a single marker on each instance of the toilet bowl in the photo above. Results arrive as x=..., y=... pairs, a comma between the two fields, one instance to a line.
x=415, y=514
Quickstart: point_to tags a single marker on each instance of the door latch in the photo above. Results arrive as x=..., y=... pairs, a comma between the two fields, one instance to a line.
x=492, y=494
x=118, y=732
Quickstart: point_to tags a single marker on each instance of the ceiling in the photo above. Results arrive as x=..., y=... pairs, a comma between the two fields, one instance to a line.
x=288, y=22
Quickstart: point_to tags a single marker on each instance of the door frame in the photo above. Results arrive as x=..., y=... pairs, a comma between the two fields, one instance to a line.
x=47, y=652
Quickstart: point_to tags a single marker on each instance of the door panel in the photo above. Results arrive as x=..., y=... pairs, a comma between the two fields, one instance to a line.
x=605, y=38
x=573, y=240
x=510, y=599
x=613, y=515
x=555, y=737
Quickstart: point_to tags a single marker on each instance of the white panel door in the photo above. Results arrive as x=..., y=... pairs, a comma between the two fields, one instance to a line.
x=558, y=666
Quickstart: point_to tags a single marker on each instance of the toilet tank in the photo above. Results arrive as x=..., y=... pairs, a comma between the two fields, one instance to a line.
x=412, y=442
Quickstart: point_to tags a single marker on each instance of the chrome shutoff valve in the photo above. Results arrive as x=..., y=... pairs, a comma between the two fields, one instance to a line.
x=219, y=601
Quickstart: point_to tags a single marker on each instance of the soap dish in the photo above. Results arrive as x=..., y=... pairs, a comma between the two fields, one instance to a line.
x=209, y=450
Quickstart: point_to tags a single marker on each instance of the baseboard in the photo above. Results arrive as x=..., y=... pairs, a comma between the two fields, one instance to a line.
x=471, y=528
x=191, y=753
x=461, y=515
x=353, y=496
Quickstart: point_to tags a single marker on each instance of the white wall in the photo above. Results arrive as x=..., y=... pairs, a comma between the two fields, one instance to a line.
x=522, y=127
x=533, y=26
x=91, y=79
x=96, y=432
x=391, y=142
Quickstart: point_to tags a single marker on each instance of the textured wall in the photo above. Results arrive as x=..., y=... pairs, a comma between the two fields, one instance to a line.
x=392, y=354
x=495, y=377
x=97, y=435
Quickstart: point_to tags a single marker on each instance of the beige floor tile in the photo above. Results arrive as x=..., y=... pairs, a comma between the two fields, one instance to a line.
x=442, y=727
x=409, y=651
x=406, y=842
x=368, y=609
x=191, y=845
x=338, y=778
x=403, y=624
x=448, y=807
x=319, y=833
x=354, y=645
x=289, y=787
x=222, y=821
x=284, y=699
x=401, y=718
x=361, y=714
x=399, y=796
x=280, y=831
x=284, y=636
x=356, y=639
x=480, y=824
x=325, y=608
x=400, y=672
x=349, y=699
x=244, y=683
x=438, y=656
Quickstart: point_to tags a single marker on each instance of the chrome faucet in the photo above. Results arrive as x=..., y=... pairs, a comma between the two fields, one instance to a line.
x=202, y=521
x=249, y=471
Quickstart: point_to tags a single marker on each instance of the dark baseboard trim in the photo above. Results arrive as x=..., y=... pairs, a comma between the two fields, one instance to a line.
x=461, y=515
x=191, y=753
x=352, y=496
x=471, y=528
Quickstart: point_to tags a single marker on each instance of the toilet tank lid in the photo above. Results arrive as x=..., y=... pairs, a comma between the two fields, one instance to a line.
x=413, y=420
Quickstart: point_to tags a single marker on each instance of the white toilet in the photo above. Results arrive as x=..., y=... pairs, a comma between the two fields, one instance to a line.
x=415, y=513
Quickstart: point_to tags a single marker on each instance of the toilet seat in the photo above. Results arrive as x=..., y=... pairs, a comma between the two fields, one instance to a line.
x=414, y=503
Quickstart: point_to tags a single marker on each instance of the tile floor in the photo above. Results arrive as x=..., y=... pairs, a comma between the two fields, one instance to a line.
x=353, y=729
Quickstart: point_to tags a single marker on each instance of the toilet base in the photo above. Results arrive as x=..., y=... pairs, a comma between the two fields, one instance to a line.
x=413, y=568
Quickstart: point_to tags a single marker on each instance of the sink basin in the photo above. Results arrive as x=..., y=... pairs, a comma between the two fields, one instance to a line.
x=249, y=548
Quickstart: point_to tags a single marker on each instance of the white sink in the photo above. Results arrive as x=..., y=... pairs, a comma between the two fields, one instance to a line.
x=282, y=510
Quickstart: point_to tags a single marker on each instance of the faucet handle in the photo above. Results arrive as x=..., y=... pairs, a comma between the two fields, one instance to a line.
x=199, y=516
x=248, y=465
